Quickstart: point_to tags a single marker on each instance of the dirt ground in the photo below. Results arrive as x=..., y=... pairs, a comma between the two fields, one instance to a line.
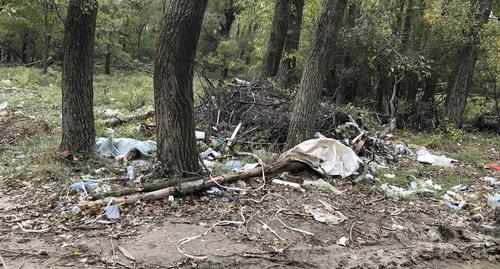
x=270, y=229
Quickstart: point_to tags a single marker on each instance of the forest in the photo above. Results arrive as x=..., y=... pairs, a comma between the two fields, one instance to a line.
x=252, y=134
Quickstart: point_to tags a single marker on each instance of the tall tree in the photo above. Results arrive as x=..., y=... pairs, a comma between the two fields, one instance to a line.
x=173, y=85
x=461, y=85
x=271, y=61
x=46, y=39
x=287, y=73
x=307, y=100
x=347, y=91
x=78, y=130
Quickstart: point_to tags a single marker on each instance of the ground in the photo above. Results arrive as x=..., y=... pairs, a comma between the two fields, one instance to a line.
x=384, y=232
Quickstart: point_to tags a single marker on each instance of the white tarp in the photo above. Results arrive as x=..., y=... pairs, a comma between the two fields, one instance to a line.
x=112, y=147
x=424, y=156
x=325, y=155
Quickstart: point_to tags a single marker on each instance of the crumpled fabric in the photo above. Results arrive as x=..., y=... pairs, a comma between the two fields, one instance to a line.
x=112, y=147
x=326, y=156
x=424, y=156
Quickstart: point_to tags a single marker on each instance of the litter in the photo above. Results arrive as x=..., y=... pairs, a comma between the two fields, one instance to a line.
x=114, y=147
x=424, y=156
x=126, y=253
x=199, y=135
x=460, y=187
x=3, y=105
x=7, y=82
x=491, y=180
x=396, y=191
x=397, y=227
x=494, y=200
x=234, y=165
x=454, y=201
x=130, y=172
x=325, y=155
x=205, y=153
x=326, y=214
x=373, y=166
x=112, y=212
x=214, y=190
x=111, y=113
x=343, y=241
x=287, y=183
x=493, y=166
x=88, y=185
x=76, y=210
x=390, y=176
x=321, y=184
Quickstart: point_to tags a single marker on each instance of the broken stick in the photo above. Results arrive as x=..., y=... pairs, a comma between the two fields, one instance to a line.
x=201, y=184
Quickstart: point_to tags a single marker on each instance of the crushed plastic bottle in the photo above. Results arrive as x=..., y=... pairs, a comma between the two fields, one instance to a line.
x=130, y=172
x=494, y=200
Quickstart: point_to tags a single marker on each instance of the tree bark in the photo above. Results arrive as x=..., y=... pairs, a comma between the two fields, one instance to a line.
x=461, y=85
x=107, y=64
x=347, y=91
x=229, y=17
x=307, y=100
x=277, y=38
x=173, y=86
x=78, y=130
x=46, y=41
x=287, y=72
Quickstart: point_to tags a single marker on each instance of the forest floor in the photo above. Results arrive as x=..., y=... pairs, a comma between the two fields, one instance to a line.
x=414, y=232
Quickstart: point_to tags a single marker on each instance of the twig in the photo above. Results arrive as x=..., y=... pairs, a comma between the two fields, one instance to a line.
x=22, y=264
x=3, y=263
x=265, y=226
x=113, y=250
x=265, y=196
x=291, y=228
x=350, y=231
x=32, y=231
x=189, y=239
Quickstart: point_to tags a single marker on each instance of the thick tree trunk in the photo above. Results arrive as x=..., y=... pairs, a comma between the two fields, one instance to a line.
x=287, y=73
x=78, y=130
x=277, y=38
x=173, y=85
x=46, y=41
x=307, y=100
x=461, y=85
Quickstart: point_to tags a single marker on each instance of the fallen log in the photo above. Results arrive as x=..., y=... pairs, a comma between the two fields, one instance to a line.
x=145, y=188
x=119, y=121
x=201, y=184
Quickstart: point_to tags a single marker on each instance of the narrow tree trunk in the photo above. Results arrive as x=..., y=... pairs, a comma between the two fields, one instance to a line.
x=107, y=64
x=347, y=90
x=173, y=85
x=24, y=49
x=277, y=38
x=461, y=85
x=46, y=41
x=78, y=130
x=229, y=16
x=307, y=100
x=287, y=73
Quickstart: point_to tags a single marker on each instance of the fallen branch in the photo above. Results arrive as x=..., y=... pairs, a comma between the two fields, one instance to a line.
x=201, y=184
x=119, y=121
x=3, y=262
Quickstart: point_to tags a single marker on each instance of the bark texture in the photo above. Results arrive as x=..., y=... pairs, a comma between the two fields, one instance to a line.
x=78, y=130
x=462, y=83
x=287, y=73
x=173, y=85
x=307, y=99
x=347, y=91
x=46, y=41
x=277, y=38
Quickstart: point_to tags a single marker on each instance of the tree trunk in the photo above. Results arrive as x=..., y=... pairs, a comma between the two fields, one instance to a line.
x=277, y=38
x=46, y=41
x=347, y=91
x=460, y=87
x=24, y=49
x=173, y=86
x=288, y=68
x=78, y=130
x=229, y=16
x=107, y=64
x=307, y=100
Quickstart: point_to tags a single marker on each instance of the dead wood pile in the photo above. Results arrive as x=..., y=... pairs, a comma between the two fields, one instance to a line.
x=263, y=109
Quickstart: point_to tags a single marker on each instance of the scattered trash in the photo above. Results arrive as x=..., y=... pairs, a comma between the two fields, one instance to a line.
x=111, y=113
x=130, y=172
x=112, y=212
x=424, y=156
x=494, y=200
x=234, y=165
x=75, y=210
x=214, y=190
x=7, y=82
x=89, y=185
x=477, y=217
x=396, y=191
x=401, y=149
x=233, y=136
x=325, y=155
x=397, y=227
x=343, y=241
x=373, y=166
x=325, y=214
x=205, y=153
x=240, y=184
x=199, y=135
x=460, y=187
x=3, y=105
x=114, y=147
x=126, y=253
x=454, y=201
x=493, y=166
x=491, y=180
x=390, y=176
x=287, y=183
x=321, y=184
